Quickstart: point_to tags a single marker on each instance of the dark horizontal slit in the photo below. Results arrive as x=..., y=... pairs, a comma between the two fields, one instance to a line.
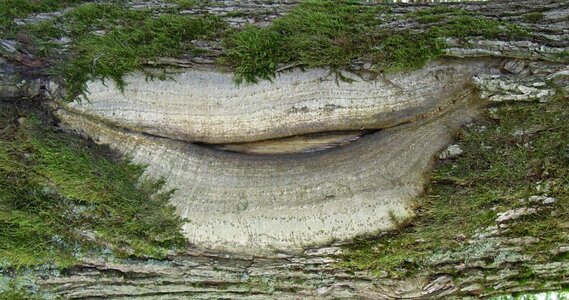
x=306, y=143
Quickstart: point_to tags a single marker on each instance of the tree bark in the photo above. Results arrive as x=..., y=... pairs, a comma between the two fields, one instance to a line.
x=520, y=72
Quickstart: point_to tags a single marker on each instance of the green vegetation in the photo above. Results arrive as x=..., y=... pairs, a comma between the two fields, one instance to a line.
x=13, y=9
x=462, y=26
x=518, y=148
x=62, y=197
x=20, y=288
x=533, y=17
x=17, y=295
x=109, y=40
x=334, y=34
x=131, y=38
x=314, y=34
x=437, y=14
x=189, y=4
x=542, y=296
x=458, y=23
x=563, y=56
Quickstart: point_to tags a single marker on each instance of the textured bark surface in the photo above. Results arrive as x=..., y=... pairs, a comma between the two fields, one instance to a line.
x=212, y=275
x=505, y=71
x=253, y=204
x=207, y=106
x=313, y=274
x=246, y=203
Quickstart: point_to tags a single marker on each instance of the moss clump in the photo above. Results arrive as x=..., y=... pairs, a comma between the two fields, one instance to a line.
x=263, y=48
x=505, y=159
x=130, y=39
x=13, y=9
x=17, y=295
x=20, y=288
x=533, y=17
x=437, y=14
x=405, y=51
x=189, y=4
x=562, y=56
x=335, y=34
x=61, y=197
x=561, y=295
x=463, y=26
x=109, y=40
x=314, y=34
x=444, y=21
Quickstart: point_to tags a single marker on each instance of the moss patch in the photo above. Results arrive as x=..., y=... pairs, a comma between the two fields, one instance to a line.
x=520, y=151
x=563, y=295
x=189, y=4
x=335, y=34
x=13, y=9
x=62, y=197
x=330, y=34
x=130, y=39
x=109, y=40
x=533, y=17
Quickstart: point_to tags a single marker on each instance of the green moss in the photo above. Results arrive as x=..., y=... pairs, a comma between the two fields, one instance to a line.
x=335, y=34
x=189, y=4
x=20, y=288
x=459, y=23
x=314, y=34
x=130, y=39
x=61, y=196
x=466, y=26
x=264, y=284
x=89, y=17
x=17, y=295
x=258, y=52
x=13, y=9
x=405, y=51
x=562, y=56
x=559, y=295
x=533, y=17
x=499, y=166
x=436, y=14
x=108, y=40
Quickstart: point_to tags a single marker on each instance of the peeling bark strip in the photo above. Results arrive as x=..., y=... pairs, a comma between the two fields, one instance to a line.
x=312, y=274
x=211, y=275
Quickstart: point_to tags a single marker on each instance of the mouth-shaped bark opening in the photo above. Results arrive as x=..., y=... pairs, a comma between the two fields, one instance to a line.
x=300, y=161
x=207, y=106
x=321, y=141
x=312, y=142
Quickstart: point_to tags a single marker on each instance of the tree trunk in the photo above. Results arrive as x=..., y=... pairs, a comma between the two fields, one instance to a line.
x=491, y=70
